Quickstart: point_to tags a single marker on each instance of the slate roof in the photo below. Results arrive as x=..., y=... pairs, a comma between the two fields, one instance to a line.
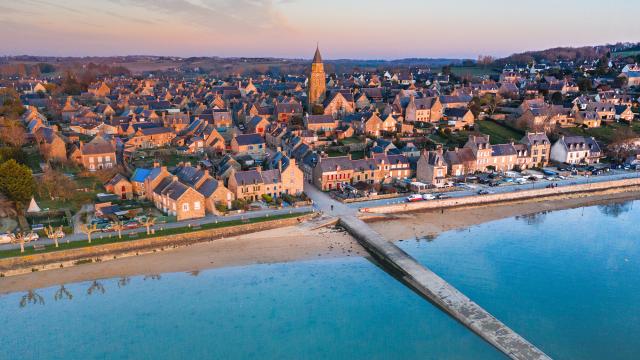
x=249, y=139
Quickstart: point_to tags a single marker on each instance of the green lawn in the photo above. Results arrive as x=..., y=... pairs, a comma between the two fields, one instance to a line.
x=33, y=158
x=355, y=155
x=103, y=238
x=623, y=54
x=91, y=184
x=605, y=133
x=498, y=134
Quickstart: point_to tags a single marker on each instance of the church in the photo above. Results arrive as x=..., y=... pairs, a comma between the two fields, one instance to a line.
x=317, y=82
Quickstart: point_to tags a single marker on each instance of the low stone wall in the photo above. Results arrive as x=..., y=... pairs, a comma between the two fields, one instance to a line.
x=622, y=185
x=17, y=265
x=368, y=198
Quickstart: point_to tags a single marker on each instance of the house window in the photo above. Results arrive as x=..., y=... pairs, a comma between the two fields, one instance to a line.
x=91, y=159
x=99, y=158
x=107, y=158
x=185, y=207
x=196, y=205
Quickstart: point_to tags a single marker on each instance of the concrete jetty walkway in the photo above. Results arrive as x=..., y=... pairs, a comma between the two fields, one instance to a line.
x=441, y=293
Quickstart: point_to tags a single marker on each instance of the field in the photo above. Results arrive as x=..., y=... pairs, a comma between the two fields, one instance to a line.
x=498, y=134
x=623, y=54
x=604, y=133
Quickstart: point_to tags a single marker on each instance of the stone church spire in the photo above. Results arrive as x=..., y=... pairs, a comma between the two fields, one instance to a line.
x=317, y=58
x=317, y=81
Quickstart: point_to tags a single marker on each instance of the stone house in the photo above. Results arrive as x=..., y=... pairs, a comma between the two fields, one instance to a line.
x=97, y=154
x=249, y=144
x=252, y=184
x=538, y=148
x=51, y=145
x=339, y=104
x=432, y=168
x=177, y=199
x=152, y=137
x=120, y=186
x=320, y=123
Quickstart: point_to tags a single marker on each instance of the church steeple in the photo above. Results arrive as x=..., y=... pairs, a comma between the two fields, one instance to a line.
x=317, y=81
x=317, y=58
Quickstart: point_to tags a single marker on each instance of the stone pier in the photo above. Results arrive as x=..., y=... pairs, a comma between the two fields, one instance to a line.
x=441, y=293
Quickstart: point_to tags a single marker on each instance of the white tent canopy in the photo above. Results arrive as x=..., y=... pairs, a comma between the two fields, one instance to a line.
x=33, y=207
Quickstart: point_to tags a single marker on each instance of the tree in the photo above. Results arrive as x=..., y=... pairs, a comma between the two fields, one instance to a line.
x=19, y=238
x=54, y=234
x=55, y=184
x=10, y=104
x=118, y=226
x=148, y=223
x=12, y=132
x=16, y=181
x=88, y=229
x=557, y=98
x=620, y=82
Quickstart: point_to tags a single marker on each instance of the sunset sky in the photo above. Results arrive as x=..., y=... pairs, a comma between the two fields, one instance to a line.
x=363, y=29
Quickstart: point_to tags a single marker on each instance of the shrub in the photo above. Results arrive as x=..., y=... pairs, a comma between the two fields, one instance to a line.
x=267, y=198
x=221, y=207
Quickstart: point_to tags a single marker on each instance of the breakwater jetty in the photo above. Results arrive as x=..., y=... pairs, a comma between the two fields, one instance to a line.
x=441, y=293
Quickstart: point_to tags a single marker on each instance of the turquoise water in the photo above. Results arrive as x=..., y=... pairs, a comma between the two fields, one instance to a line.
x=568, y=281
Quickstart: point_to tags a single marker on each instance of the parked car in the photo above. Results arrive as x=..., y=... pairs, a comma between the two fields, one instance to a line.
x=428, y=197
x=5, y=238
x=31, y=237
x=442, y=196
x=414, y=198
x=483, y=192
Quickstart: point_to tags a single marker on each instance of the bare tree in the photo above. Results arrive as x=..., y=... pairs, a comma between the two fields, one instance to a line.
x=54, y=234
x=88, y=229
x=148, y=223
x=21, y=239
x=118, y=226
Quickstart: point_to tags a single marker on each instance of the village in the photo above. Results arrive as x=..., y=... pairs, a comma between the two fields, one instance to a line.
x=184, y=148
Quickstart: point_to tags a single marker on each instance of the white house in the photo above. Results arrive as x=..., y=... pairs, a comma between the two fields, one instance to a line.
x=576, y=150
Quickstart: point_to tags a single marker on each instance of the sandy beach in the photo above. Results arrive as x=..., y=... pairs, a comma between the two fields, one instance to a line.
x=295, y=243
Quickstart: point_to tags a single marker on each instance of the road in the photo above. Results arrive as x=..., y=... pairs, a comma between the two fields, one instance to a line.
x=322, y=202
x=194, y=222
x=461, y=192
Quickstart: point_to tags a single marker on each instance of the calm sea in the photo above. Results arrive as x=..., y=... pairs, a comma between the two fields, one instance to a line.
x=568, y=281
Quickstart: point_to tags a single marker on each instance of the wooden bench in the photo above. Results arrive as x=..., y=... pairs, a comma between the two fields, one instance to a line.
x=38, y=247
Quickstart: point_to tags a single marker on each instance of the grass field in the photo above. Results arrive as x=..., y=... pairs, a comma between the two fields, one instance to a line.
x=604, y=133
x=623, y=54
x=498, y=134
x=101, y=238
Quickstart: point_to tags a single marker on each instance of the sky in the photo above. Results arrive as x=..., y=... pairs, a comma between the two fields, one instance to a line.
x=356, y=29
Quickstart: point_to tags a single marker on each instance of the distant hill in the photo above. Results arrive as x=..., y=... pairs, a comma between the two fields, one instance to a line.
x=576, y=54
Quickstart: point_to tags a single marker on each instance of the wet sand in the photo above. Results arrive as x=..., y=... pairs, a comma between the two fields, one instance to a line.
x=295, y=243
